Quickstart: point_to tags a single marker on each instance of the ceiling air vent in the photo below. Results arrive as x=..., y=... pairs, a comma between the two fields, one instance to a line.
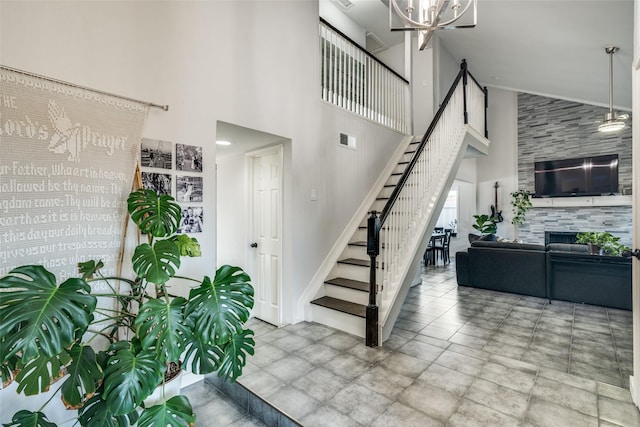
x=374, y=44
x=344, y=4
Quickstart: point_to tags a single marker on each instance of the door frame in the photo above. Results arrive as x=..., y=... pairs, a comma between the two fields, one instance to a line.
x=249, y=158
x=635, y=263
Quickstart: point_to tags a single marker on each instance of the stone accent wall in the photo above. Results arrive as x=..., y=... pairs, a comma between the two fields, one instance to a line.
x=614, y=219
x=552, y=129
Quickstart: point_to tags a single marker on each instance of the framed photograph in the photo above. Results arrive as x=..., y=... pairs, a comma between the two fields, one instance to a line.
x=156, y=153
x=188, y=158
x=189, y=188
x=192, y=220
x=159, y=182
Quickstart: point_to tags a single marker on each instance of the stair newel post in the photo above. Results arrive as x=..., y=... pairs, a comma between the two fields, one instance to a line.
x=463, y=67
x=373, y=249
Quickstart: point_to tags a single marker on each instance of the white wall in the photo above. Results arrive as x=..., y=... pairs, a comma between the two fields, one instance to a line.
x=422, y=87
x=501, y=164
x=393, y=57
x=446, y=68
x=231, y=210
x=342, y=22
x=216, y=61
x=199, y=58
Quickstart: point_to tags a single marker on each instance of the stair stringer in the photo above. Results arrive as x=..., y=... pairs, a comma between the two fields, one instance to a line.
x=316, y=285
x=390, y=307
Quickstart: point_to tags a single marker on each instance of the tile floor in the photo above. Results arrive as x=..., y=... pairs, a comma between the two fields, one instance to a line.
x=457, y=357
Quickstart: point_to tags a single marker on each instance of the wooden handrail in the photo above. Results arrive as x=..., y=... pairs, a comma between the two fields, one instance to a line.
x=350, y=40
x=375, y=223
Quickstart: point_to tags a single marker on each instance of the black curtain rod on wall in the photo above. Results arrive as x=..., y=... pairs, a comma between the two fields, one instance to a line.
x=62, y=82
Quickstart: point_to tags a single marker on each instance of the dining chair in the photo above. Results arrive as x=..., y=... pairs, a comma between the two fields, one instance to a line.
x=428, y=257
x=441, y=248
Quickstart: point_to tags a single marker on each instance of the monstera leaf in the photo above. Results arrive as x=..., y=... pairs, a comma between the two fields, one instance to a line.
x=161, y=328
x=96, y=413
x=188, y=246
x=202, y=357
x=38, y=373
x=8, y=368
x=37, y=316
x=26, y=418
x=155, y=214
x=218, y=310
x=157, y=264
x=85, y=375
x=89, y=268
x=175, y=412
x=235, y=354
x=130, y=378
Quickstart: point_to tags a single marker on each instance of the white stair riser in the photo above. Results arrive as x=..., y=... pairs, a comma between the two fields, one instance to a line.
x=360, y=235
x=358, y=252
x=399, y=168
x=336, y=319
x=393, y=180
x=353, y=272
x=347, y=294
x=378, y=205
x=386, y=192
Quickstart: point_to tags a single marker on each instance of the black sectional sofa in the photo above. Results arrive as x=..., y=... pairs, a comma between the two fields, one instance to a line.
x=557, y=271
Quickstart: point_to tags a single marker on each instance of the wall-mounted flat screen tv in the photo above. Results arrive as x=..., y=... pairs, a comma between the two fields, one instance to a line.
x=585, y=176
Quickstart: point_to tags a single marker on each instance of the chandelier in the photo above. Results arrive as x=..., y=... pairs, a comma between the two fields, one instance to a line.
x=612, y=121
x=426, y=16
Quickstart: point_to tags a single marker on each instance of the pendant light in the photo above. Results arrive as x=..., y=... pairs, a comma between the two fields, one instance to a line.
x=426, y=16
x=612, y=122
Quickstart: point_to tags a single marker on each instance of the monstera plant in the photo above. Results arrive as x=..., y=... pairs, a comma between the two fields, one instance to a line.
x=49, y=331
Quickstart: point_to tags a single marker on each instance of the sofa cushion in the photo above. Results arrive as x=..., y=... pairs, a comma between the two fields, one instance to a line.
x=507, y=245
x=567, y=247
x=508, y=267
x=462, y=268
x=590, y=279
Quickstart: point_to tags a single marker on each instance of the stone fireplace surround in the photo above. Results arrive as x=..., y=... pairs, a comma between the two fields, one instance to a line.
x=549, y=129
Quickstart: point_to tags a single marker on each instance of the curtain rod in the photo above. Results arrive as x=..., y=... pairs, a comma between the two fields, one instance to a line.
x=62, y=82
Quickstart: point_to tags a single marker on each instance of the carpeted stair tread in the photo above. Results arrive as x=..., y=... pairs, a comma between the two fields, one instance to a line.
x=349, y=283
x=341, y=305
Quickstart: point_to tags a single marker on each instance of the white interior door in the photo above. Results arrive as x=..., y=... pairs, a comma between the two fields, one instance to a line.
x=266, y=245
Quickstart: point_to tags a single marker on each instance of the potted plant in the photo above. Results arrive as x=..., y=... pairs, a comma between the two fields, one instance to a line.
x=47, y=329
x=453, y=226
x=485, y=225
x=520, y=202
x=601, y=242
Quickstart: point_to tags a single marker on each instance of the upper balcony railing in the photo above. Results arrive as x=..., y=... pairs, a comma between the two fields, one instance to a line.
x=355, y=80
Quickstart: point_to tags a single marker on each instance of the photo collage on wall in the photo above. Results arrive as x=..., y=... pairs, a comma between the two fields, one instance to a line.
x=159, y=173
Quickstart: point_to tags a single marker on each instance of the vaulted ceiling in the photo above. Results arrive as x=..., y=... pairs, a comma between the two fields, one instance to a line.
x=547, y=47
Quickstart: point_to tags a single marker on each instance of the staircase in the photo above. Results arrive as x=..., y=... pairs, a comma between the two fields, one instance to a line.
x=346, y=288
x=409, y=198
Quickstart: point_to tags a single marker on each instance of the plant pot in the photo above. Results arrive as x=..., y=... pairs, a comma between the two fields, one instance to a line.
x=473, y=237
x=594, y=249
x=171, y=388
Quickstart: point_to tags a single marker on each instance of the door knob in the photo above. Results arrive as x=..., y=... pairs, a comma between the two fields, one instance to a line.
x=635, y=253
x=254, y=245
